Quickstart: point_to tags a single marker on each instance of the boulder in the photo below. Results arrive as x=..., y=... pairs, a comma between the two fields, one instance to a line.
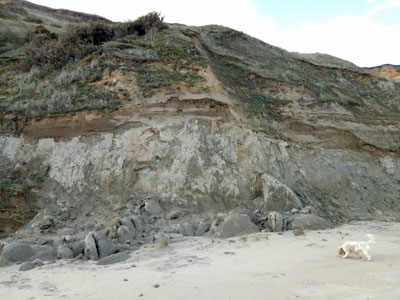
x=309, y=222
x=42, y=241
x=114, y=258
x=44, y=253
x=235, y=225
x=90, y=247
x=128, y=222
x=186, y=229
x=29, y=265
x=106, y=247
x=124, y=234
x=152, y=208
x=138, y=221
x=64, y=252
x=275, y=221
x=78, y=248
x=22, y=252
x=203, y=227
x=99, y=235
x=26, y=266
x=134, y=223
x=278, y=196
x=46, y=223
x=18, y=251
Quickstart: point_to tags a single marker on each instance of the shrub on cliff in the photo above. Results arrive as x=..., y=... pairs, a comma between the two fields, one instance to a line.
x=37, y=51
x=95, y=33
x=147, y=24
x=48, y=51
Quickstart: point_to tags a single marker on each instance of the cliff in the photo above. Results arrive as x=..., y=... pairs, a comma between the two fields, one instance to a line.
x=201, y=120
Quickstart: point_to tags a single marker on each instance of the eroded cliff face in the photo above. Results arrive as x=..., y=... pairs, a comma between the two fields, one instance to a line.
x=197, y=154
x=389, y=72
x=255, y=128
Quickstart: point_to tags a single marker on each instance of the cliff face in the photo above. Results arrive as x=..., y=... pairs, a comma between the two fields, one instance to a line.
x=211, y=120
x=388, y=72
x=206, y=163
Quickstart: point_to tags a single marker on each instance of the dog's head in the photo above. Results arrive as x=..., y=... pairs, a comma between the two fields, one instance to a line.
x=341, y=251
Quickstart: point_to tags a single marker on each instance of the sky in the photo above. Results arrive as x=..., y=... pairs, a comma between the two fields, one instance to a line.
x=365, y=32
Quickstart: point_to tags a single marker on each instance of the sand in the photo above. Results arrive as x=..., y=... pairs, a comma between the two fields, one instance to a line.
x=261, y=266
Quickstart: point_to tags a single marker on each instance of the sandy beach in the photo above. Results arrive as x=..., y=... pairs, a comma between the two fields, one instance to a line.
x=259, y=266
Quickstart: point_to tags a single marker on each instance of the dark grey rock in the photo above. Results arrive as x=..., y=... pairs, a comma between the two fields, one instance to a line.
x=57, y=242
x=64, y=252
x=44, y=253
x=186, y=229
x=138, y=222
x=235, y=225
x=203, y=227
x=90, y=247
x=99, y=235
x=128, y=222
x=42, y=241
x=18, y=251
x=125, y=234
x=125, y=247
x=309, y=222
x=152, y=208
x=29, y=265
x=275, y=221
x=78, y=248
x=106, y=247
x=114, y=258
x=26, y=266
x=46, y=223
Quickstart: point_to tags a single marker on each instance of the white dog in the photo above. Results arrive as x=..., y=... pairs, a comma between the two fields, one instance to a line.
x=357, y=248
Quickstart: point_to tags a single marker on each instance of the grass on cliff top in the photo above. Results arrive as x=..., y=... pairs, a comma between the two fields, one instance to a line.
x=18, y=17
x=246, y=66
x=167, y=59
x=249, y=69
x=58, y=93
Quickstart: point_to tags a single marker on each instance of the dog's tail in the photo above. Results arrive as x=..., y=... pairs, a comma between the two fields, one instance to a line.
x=371, y=239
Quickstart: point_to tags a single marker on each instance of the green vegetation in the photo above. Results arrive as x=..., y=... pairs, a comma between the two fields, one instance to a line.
x=259, y=103
x=111, y=229
x=47, y=51
x=58, y=63
x=149, y=78
x=161, y=244
x=58, y=93
x=145, y=25
x=58, y=76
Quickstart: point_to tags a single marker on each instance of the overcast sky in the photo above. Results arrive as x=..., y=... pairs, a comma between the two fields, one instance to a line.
x=365, y=32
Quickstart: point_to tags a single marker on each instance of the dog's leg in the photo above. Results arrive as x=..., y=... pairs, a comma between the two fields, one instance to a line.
x=367, y=255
